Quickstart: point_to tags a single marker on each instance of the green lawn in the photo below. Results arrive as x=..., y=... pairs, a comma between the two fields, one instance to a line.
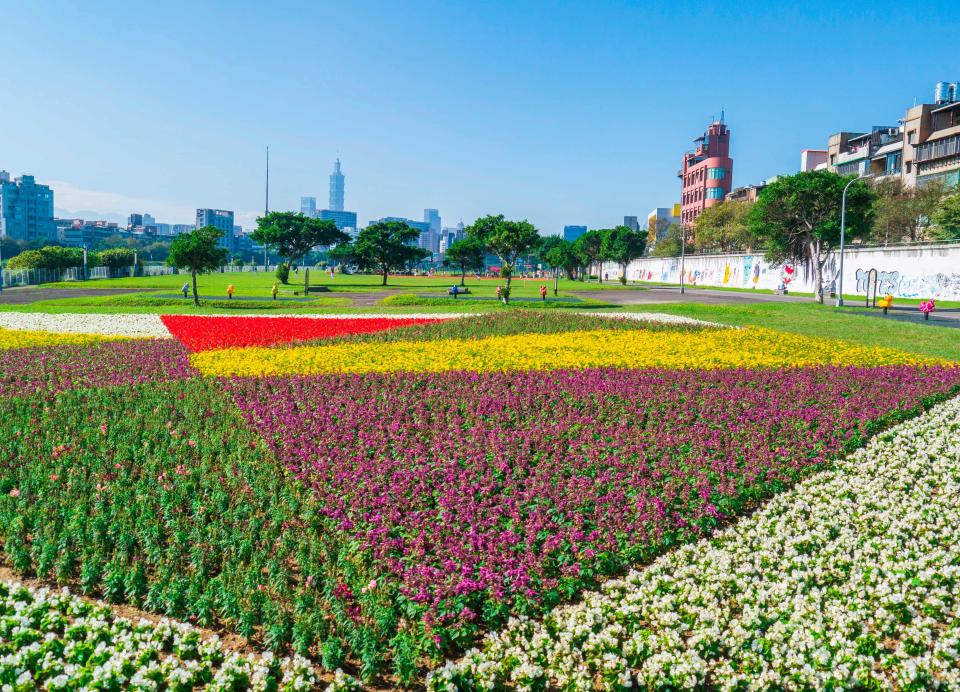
x=826, y=321
x=251, y=284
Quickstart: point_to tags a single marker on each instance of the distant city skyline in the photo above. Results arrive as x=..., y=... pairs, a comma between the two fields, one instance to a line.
x=559, y=114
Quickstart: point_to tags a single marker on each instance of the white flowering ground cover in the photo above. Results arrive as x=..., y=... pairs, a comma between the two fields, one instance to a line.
x=146, y=325
x=52, y=640
x=849, y=581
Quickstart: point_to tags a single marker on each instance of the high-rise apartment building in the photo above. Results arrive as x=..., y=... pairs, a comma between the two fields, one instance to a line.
x=336, y=188
x=631, y=222
x=707, y=172
x=658, y=223
x=308, y=206
x=432, y=217
x=220, y=219
x=26, y=209
x=571, y=233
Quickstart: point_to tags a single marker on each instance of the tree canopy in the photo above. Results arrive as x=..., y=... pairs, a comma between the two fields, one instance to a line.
x=798, y=218
x=198, y=252
x=622, y=245
x=560, y=254
x=587, y=248
x=293, y=234
x=669, y=245
x=465, y=254
x=382, y=247
x=947, y=218
x=723, y=227
x=508, y=240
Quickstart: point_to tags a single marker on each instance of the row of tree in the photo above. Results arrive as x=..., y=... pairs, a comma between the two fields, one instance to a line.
x=60, y=258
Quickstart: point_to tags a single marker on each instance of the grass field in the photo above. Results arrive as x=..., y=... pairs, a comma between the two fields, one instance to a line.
x=258, y=284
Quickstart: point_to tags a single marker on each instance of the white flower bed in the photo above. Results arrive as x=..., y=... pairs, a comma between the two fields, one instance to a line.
x=126, y=324
x=54, y=641
x=852, y=579
x=659, y=317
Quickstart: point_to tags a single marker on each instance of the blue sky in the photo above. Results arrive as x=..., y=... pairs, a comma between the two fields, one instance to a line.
x=559, y=112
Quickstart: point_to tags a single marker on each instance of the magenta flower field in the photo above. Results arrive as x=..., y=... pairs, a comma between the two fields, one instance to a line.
x=477, y=495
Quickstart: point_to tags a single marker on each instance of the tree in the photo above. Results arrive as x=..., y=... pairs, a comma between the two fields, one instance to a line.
x=947, y=218
x=587, y=248
x=381, y=247
x=293, y=234
x=199, y=252
x=669, y=245
x=508, y=240
x=466, y=254
x=560, y=254
x=114, y=258
x=723, y=227
x=798, y=218
x=622, y=245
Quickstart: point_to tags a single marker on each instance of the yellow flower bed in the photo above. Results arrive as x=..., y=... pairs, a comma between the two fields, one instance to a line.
x=753, y=347
x=17, y=338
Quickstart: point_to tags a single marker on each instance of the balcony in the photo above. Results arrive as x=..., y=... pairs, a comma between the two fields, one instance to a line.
x=938, y=149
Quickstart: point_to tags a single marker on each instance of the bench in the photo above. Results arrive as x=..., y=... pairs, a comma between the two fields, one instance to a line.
x=886, y=303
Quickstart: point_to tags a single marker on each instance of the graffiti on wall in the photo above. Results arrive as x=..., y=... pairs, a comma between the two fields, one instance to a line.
x=936, y=285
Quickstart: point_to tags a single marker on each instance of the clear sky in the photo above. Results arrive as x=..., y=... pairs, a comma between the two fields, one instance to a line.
x=559, y=112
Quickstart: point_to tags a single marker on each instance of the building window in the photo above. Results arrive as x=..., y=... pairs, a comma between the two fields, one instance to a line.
x=912, y=137
x=716, y=173
x=715, y=192
x=893, y=163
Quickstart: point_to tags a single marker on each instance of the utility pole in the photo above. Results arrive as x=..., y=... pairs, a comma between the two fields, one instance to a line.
x=843, y=228
x=683, y=249
x=266, y=207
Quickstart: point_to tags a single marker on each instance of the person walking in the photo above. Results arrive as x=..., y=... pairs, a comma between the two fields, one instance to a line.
x=273, y=291
x=230, y=290
x=185, y=289
x=455, y=290
x=543, y=292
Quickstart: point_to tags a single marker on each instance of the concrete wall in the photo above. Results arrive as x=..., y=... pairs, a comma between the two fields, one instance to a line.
x=928, y=271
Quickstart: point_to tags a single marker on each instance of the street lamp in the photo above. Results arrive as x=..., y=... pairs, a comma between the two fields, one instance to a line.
x=843, y=225
x=683, y=247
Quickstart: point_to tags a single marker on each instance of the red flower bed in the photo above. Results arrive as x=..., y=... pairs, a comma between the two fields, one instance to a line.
x=199, y=333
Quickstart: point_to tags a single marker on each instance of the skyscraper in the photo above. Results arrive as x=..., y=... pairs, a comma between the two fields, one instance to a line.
x=308, y=206
x=571, y=233
x=336, y=188
x=432, y=217
x=26, y=209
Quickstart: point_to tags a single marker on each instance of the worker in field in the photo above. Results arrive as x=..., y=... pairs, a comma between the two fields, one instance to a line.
x=230, y=290
x=273, y=291
x=543, y=292
x=185, y=288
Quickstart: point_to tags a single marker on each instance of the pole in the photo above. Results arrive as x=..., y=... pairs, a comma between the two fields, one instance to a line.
x=843, y=228
x=1, y=263
x=683, y=249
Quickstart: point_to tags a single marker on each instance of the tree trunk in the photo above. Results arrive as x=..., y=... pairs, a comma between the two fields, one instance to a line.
x=600, y=271
x=506, y=297
x=386, y=270
x=463, y=274
x=817, y=260
x=196, y=298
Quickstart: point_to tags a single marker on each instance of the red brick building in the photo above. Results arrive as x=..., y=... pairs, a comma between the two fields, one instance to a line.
x=707, y=173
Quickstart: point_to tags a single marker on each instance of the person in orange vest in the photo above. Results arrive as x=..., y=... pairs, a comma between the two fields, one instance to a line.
x=273, y=291
x=230, y=290
x=543, y=292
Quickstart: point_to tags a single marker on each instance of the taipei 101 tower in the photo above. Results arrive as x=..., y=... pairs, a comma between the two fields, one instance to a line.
x=336, y=188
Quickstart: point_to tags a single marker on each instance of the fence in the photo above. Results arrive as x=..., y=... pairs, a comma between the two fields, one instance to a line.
x=929, y=270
